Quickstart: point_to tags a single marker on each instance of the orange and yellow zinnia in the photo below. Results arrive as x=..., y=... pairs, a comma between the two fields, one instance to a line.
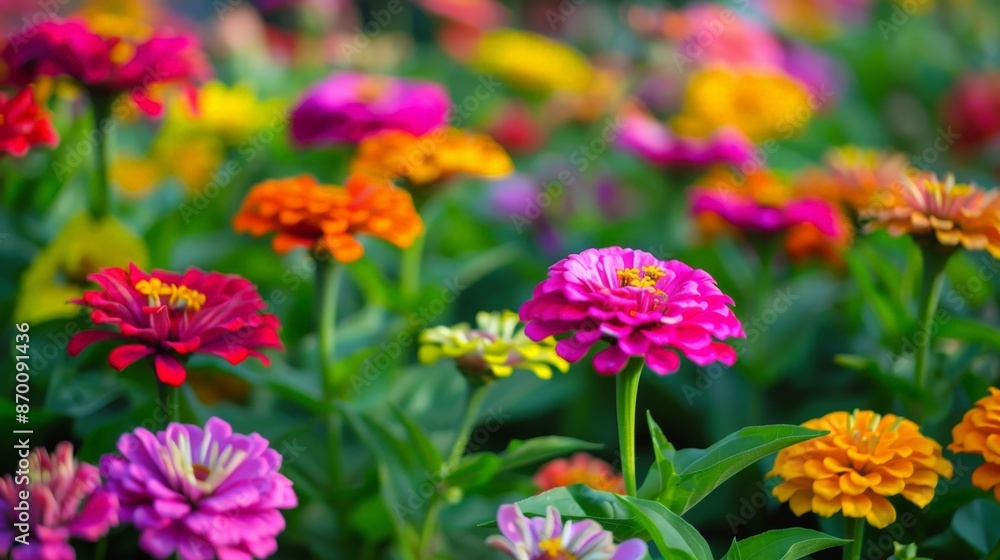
x=979, y=433
x=948, y=213
x=865, y=458
x=430, y=158
x=303, y=213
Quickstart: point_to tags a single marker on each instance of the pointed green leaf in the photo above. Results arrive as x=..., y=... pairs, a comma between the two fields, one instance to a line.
x=429, y=455
x=520, y=453
x=699, y=471
x=658, y=485
x=674, y=537
x=474, y=470
x=782, y=544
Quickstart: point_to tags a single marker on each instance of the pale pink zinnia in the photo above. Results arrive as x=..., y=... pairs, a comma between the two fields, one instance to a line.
x=200, y=493
x=640, y=305
x=65, y=499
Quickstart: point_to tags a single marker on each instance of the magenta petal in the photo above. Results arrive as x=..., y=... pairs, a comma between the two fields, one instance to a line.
x=84, y=339
x=169, y=370
x=610, y=361
x=663, y=361
x=127, y=354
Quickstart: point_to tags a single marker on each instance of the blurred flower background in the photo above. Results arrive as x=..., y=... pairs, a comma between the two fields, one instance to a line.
x=359, y=192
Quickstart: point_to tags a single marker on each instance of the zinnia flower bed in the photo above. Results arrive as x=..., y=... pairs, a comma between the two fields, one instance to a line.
x=456, y=279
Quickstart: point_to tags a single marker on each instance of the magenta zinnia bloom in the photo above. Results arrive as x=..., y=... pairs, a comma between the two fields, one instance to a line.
x=350, y=106
x=546, y=538
x=105, y=65
x=651, y=139
x=764, y=204
x=640, y=305
x=170, y=316
x=200, y=493
x=65, y=500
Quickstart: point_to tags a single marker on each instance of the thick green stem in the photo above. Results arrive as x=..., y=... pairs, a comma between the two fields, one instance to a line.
x=476, y=395
x=170, y=397
x=934, y=275
x=328, y=279
x=409, y=274
x=100, y=189
x=854, y=529
x=102, y=548
x=627, y=391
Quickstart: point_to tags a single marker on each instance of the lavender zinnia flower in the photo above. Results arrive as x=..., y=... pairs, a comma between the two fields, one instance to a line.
x=200, y=492
x=546, y=538
x=65, y=499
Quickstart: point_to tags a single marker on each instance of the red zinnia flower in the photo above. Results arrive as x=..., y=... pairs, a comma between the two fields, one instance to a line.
x=170, y=316
x=107, y=64
x=23, y=124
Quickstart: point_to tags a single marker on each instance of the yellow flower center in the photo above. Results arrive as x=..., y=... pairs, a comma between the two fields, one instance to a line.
x=646, y=278
x=553, y=547
x=180, y=297
x=371, y=88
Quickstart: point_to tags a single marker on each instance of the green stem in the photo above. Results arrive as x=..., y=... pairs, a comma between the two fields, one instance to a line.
x=476, y=395
x=854, y=529
x=102, y=548
x=328, y=280
x=170, y=398
x=100, y=190
x=430, y=525
x=627, y=386
x=409, y=274
x=934, y=275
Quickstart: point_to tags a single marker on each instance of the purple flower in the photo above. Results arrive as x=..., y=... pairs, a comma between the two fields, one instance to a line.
x=65, y=499
x=547, y=538
x=640, y=305
x=200, y=492
x=350, y=106
x=647, y=137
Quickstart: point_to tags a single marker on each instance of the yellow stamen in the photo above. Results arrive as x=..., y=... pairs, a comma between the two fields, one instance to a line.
x=180, y=297
x=630, y=277
x=553, y=547
x=371, y=88
x=122, y=52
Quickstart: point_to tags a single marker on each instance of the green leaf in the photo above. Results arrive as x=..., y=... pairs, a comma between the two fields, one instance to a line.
x=782, y=544
x=474, y=470
x=668, y=530
x=520, y=453
x=429, y=455
x=659, y=485
x=701, y=471
x=582, y=502
x=969, y=330
x=976, y=524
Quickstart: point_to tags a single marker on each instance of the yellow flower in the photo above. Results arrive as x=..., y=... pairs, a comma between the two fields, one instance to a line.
x=431, y=158
x=865, y=458
x=59, y=272
x=532, y=62
x=132, y=19
x=761, y=104
x=979, y=433
x=944, y=212
x=232, y=113
x=136, y=175
x=493, y=349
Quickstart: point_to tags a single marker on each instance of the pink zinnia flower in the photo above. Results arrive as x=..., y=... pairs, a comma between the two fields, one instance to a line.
x=479, y=14
x=106, y=65
x=23, y=124
x=547, y=538
x=350, y=106
x=640, y=305
x=170, y=316
x=764, y=204
x=65, y=500
x=642, y=134
x=200, y=493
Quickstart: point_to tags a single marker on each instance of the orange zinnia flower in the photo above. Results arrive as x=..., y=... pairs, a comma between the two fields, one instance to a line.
x=581, y=468
x=951, y=214
x=979, y=432
x=430, y=158
x=853, y=175
x=864, y=458
x=303, y=213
